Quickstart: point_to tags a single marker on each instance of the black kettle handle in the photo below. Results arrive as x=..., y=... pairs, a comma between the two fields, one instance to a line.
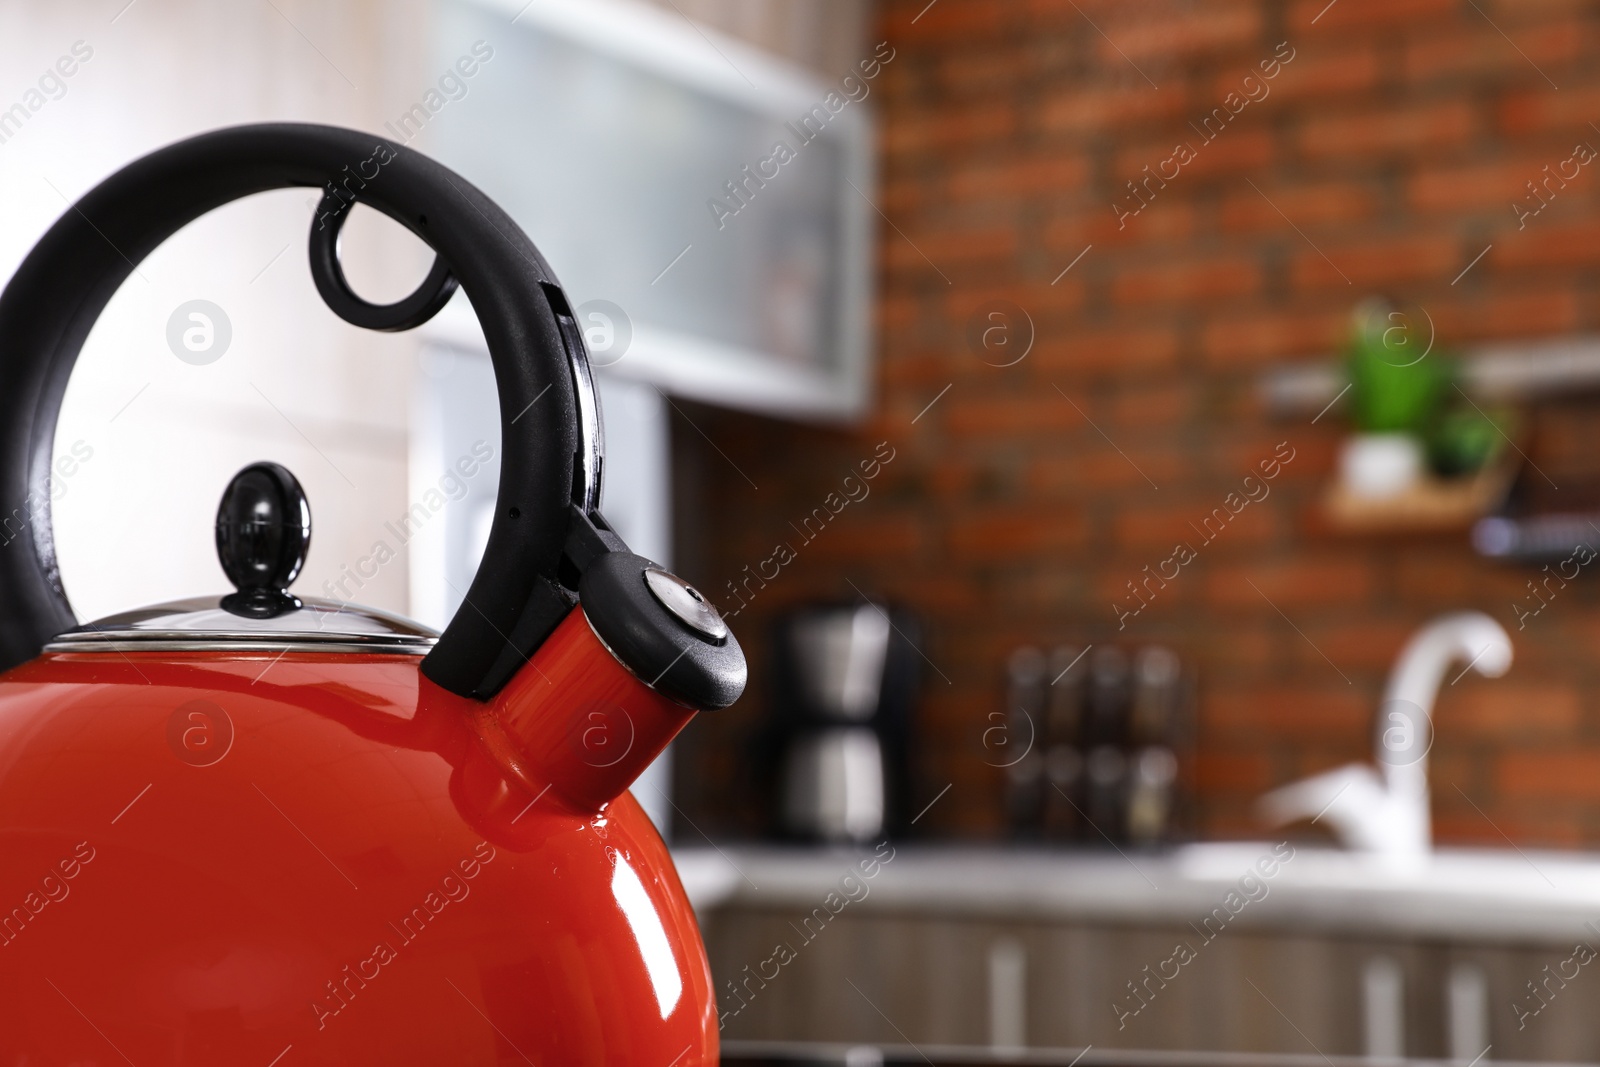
x=550, y=466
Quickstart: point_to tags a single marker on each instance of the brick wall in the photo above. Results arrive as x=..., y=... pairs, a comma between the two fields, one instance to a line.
x=1021, y=503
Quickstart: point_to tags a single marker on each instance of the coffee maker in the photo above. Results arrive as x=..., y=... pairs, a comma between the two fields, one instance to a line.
x=845, y=679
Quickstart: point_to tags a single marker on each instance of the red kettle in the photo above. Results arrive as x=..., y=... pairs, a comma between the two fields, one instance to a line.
x=260, y=829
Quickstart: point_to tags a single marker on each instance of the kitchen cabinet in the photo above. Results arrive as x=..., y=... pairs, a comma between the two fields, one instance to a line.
x=1006, y=951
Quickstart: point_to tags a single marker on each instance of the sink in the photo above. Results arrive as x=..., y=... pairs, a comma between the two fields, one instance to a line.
x=1385, y=808
x=1487, y=893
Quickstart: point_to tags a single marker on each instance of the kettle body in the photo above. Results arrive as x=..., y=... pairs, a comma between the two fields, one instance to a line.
x=322, y=889
x=259, y=829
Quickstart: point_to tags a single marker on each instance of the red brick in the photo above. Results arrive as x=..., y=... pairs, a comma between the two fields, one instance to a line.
x=1478, y=52
x=1307, y=454
x=1443, y=577
x=1507, y=711
x=1374, y=263
x=1050, y=474
x=1029, y=415
x=1337, y=750
x=983, y=302
x=1240, y=149
x=1410, y=130
x=908, y=199
x=1122, y=616
x=1270, y=588
x=948, y=252
x=1318, y=72
x=1001, y=533
x=1233, y=771
x=1244, y=649
x=1145, y=405
x=1562, y=246
x=1298, y=711
x=899, y=313
x=1177, y=32
x=1364, y=644
x=1468, y=826
x=1108, y=226
x=1127, y=349
x=1516, y=14
x=1261, y=337
x=1555, y=309
x=1565, y=436
x=1163, y=526
x=956, y=475
x=965, y=72
x=1314, y=208
x=1565, y=115
x=1569, y=773
x=915, y=26
x=1319, y=17
x=1041, y=592
x=1241, y=146
x=858, y=535
x=950, y=128
x=909, y=379
x=1079, y=111
x=1002, y=179
x=1189, y=281
x=1460, y=188
x=1112, y=583
x=937, y=593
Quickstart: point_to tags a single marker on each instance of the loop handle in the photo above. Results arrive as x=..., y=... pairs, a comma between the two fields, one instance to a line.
x=328, y=273
x=550, y=459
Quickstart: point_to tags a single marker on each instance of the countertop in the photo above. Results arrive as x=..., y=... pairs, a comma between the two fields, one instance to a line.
x=1454, y=894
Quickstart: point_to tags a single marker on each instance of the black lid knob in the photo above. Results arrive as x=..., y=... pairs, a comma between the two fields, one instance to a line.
x=263, y=532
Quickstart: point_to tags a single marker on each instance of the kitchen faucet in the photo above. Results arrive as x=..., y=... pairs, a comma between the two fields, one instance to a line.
x=1387, y=813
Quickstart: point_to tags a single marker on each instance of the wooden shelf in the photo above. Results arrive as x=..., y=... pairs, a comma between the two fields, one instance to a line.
x=1434, y=505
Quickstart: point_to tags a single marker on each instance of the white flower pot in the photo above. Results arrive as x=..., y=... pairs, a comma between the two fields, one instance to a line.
x=1378, y=465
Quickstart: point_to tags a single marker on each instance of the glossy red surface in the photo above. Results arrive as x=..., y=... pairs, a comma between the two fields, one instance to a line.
x=325, y=859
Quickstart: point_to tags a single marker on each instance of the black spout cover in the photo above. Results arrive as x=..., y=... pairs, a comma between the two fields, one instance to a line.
x=660, y=649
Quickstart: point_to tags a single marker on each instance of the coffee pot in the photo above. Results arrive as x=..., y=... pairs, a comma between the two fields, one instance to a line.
x=257, y=828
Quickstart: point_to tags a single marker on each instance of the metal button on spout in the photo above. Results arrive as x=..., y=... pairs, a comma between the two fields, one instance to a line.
x=686, y=603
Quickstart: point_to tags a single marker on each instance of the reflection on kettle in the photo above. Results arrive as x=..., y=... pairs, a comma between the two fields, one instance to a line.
x=261, y=828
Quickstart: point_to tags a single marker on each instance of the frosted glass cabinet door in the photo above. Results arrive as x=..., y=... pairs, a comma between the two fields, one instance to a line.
x=643, y=160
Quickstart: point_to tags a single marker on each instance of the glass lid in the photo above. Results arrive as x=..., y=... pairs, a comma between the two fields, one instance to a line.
x=207, y=624
x=263, y=533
